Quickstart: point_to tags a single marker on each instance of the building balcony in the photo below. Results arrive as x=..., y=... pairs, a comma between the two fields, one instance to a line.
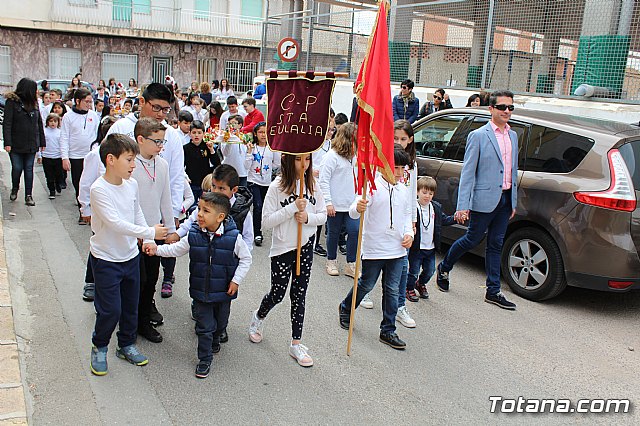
x=144, y=20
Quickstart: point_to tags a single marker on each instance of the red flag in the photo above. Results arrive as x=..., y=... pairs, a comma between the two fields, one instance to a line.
x=373, y=90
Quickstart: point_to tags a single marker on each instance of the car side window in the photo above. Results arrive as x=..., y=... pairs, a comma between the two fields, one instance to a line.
x=479, y=121
x=433, y=137
x=631, y=155
x=554, y=151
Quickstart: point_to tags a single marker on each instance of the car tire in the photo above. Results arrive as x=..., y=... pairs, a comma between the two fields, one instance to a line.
x=532, y=264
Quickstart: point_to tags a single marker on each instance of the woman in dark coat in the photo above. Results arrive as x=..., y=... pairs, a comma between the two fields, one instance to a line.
x=23, y=135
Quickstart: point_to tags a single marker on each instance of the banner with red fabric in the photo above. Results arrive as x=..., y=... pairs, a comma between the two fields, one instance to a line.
x=298, y=113
x=375, y=116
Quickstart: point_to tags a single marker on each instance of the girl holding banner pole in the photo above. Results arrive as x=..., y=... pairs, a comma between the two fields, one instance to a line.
x=283, y=211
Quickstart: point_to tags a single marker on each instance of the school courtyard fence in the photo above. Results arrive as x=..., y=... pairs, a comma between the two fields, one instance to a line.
x=545, y=47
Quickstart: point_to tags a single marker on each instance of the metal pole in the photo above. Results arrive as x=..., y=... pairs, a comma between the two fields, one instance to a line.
x=487, y=44
x=350, y=48
x=310, y=47
x=263, y=44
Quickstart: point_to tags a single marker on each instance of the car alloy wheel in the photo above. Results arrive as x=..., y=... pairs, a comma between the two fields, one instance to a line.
x=528, y=264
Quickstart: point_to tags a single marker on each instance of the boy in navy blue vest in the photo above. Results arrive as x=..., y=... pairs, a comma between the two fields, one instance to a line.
x=422, y=254
x=218, y=262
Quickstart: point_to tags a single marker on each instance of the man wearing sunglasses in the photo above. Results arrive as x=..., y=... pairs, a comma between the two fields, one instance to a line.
x=487, y=195
x=406, y=105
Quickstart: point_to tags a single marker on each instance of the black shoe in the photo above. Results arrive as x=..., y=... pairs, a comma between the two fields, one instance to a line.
x=155, y=317
x=202, y=370
x=52, y=195
x=412, y=296
x=58, y=189
x=63, y=185
x=343, y=249
x=392, y=340
x=442, y=280
x=14, y=195
x=150, y=333
x=28, y=200
x=320, y=251
x=500, y=300
x=258, y=240
x=89, y=292
x=422, y=290
x=224, y=337
x=345, y=317
x=215, y=345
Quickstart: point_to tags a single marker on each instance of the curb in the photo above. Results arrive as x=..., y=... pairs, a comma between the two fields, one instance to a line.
x=12, y=400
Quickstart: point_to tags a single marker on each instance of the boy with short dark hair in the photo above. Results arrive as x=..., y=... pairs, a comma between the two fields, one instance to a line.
x=152, y=175
x=254, y=115
x=422, y=254
x=232, y=104
x=386, y=236
x=218, y=262
x=185, y=118
x=199, y=158
x=117, y=223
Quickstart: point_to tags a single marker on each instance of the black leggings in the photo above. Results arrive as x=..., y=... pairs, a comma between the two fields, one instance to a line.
x=282, y=267
x=258, y=192
x=77, y=165
x=53, y=172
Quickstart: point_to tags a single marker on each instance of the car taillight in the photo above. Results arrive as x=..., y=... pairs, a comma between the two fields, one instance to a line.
x=620, y=195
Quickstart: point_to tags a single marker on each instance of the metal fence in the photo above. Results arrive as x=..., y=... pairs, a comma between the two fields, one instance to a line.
x=548, y=47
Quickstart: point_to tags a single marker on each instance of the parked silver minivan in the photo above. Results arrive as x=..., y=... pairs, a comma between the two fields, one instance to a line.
x=577, y=221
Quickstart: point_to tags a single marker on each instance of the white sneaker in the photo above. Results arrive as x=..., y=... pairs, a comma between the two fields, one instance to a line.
x=404, y=318
x=366, y=303
x=299, y=353
x=332, y=268
x=350, y=270
x=256, y=328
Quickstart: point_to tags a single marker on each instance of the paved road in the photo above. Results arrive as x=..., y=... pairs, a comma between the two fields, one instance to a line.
x=580, y=345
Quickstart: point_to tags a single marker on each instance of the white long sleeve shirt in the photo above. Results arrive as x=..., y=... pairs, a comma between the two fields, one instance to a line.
x=234, y=155
x=117, y=221
x=386, y=221
x=172, y=152
x=278, y=214
x=260, y=163
x=240, y=250
x=52, y=138
x=155, y=193
x=77, y=133
x=92, y=170
x=411, y=182
x=337, y=181
x=247, y=227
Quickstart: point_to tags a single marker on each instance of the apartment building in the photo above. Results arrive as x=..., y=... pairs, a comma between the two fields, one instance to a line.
x=199, y=40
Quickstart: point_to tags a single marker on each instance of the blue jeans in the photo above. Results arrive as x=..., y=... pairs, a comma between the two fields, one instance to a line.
x=494, y=224
x=421, y=259
x=258, y=192
x=334, y=225
x=22, y=163
x=402, y=290
x=391, y=270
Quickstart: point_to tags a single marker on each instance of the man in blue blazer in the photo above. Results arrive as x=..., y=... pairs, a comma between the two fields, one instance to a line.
x=487, y=195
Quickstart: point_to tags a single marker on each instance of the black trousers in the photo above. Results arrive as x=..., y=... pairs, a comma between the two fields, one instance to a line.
x=77, y=165
x=53, y=172
x=149, y=272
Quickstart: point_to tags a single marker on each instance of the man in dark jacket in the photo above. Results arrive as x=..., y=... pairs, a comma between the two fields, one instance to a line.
x=406, y=105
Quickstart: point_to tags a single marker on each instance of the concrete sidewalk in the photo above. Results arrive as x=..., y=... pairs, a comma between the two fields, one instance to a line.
x=12, y=398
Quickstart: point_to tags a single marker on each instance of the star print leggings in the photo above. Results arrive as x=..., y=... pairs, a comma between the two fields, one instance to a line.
x=283, y=267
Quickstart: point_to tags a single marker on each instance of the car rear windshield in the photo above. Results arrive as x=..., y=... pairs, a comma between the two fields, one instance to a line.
x=555, y=151
x=631, y=154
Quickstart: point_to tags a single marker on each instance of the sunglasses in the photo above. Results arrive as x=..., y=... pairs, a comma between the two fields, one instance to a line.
x=404, y=87
x=437, y=97
x=503, y=107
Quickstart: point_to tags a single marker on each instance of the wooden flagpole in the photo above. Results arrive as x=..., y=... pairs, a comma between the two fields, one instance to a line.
x=299, y=252
x=356, y=275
